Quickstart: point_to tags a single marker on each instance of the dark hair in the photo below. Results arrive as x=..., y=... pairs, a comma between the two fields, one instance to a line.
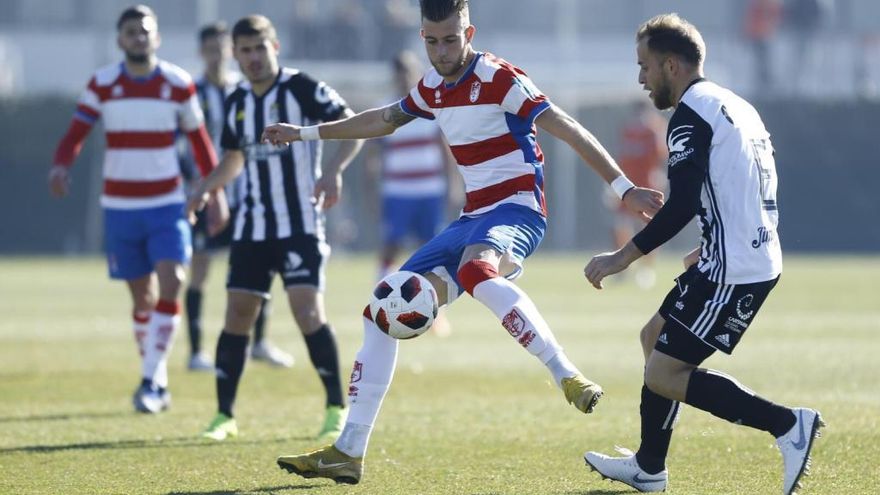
x=669, y=33
x=439, y=10
x=254, y=25
x=135, y=12
x=212, y=30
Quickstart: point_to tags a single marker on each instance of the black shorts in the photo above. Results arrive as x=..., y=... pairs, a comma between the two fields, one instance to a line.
x=703, y=316
x=202, y=242
x=299, y=260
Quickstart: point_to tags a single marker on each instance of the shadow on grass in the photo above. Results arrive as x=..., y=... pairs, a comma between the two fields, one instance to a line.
x=64, y=416
x=603, y=491
x=268, y=489
x=141, y=444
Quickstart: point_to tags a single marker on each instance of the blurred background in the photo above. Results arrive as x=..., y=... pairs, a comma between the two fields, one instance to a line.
x=811, y=67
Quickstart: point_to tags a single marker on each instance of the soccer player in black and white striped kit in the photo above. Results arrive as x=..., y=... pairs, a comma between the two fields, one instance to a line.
x=722, y=170
x=279, y=224
x=217, y=83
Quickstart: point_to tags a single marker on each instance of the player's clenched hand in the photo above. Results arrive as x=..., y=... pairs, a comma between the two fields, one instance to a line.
x=327, y=190
x=280, y=134
x=59, y=181
x=643, y=201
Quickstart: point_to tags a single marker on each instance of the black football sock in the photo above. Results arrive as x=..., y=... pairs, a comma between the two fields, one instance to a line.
x=723, y=396
x=194, y=319
x=262, y=316
x=325, y=358
x=230, y=359
x=658, y=417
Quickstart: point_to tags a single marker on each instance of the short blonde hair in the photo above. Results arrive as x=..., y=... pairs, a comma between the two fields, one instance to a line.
x=670, y=34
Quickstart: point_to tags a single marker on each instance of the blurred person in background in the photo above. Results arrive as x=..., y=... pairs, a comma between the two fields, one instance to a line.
x=642, y=157
x=489, y=111
x=807, y=20
x=215, y=85
x=762, y=20
x=414, y=170
x=721, y=170
x=143, y=102
x=279, y=224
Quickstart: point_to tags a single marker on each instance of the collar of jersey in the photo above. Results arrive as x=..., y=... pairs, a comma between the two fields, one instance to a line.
x=139, y=79
x=274, y=83
x=467, y=73
x=694, y=82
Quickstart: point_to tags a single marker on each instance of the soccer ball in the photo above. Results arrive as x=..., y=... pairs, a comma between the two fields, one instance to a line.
x=404, y=305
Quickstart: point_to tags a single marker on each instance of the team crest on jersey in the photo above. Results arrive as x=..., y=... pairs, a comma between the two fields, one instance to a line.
x=437, y=97
x=273, y=114
x=116, y=92
x=165, y=92
x=475, y=91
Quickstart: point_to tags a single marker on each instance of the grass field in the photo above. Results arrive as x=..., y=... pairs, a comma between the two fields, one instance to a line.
x=471, y=413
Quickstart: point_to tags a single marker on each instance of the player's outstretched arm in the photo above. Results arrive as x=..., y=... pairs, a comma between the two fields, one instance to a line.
x=373, y=123
x=562, y=126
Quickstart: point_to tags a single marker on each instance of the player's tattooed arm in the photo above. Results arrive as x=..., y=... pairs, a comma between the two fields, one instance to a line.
x=394, y=116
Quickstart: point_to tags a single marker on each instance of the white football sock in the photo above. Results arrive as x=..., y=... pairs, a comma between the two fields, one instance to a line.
x=163, y=322
x=370, y=379
x=524, y=323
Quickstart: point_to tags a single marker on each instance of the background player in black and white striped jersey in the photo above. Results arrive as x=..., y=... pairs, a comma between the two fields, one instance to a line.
x=279, y=224
x=721, y=169
x=215, y=85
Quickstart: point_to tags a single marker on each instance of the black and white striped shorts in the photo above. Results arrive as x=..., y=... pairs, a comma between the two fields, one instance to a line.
x=716, y=314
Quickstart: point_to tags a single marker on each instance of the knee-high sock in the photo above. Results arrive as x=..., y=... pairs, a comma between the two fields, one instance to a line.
x=230, y=359
x=524, y=323
x=262, y=317
x=370, y=379
x=194, y=319
x=724, y=397
x=163, y=322
x=659, y=415
x=141, y=326
x=325, y=359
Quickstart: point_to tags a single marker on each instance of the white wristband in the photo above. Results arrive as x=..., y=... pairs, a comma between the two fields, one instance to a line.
x=309, y=133
x=621, y=185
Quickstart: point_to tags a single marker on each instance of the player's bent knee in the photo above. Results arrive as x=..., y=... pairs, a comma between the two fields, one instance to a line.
x=473, y=272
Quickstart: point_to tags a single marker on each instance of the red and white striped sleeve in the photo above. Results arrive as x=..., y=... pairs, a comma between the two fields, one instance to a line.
x=414, y=104
x=88, y=111
x=524, y=99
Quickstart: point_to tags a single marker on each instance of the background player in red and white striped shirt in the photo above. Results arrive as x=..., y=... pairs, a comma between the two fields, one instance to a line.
x=488, y=110
x=415, y=165
x=143, y=102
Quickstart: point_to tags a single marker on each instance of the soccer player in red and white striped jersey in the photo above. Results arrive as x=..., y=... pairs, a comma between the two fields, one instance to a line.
x=143, y=102
x=489, y=111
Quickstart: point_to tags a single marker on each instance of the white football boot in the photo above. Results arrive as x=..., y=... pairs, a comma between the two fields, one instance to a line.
x=795, y=446
x=626, y=470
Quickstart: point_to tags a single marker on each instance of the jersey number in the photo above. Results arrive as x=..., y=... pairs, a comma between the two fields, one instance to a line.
x=763, y=154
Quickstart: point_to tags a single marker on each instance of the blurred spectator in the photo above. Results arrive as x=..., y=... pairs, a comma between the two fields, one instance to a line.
x=642, y=156
x=806, y=18
x=761, y=23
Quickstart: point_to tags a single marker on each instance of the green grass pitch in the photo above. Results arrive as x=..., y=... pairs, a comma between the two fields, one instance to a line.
x=471, y=413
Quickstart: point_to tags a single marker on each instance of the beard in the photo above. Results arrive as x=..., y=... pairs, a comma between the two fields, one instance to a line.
x=662, y=97
x=137, y=58
x=453, y=69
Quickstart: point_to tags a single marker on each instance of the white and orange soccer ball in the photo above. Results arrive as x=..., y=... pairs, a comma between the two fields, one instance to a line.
x=404, y=305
